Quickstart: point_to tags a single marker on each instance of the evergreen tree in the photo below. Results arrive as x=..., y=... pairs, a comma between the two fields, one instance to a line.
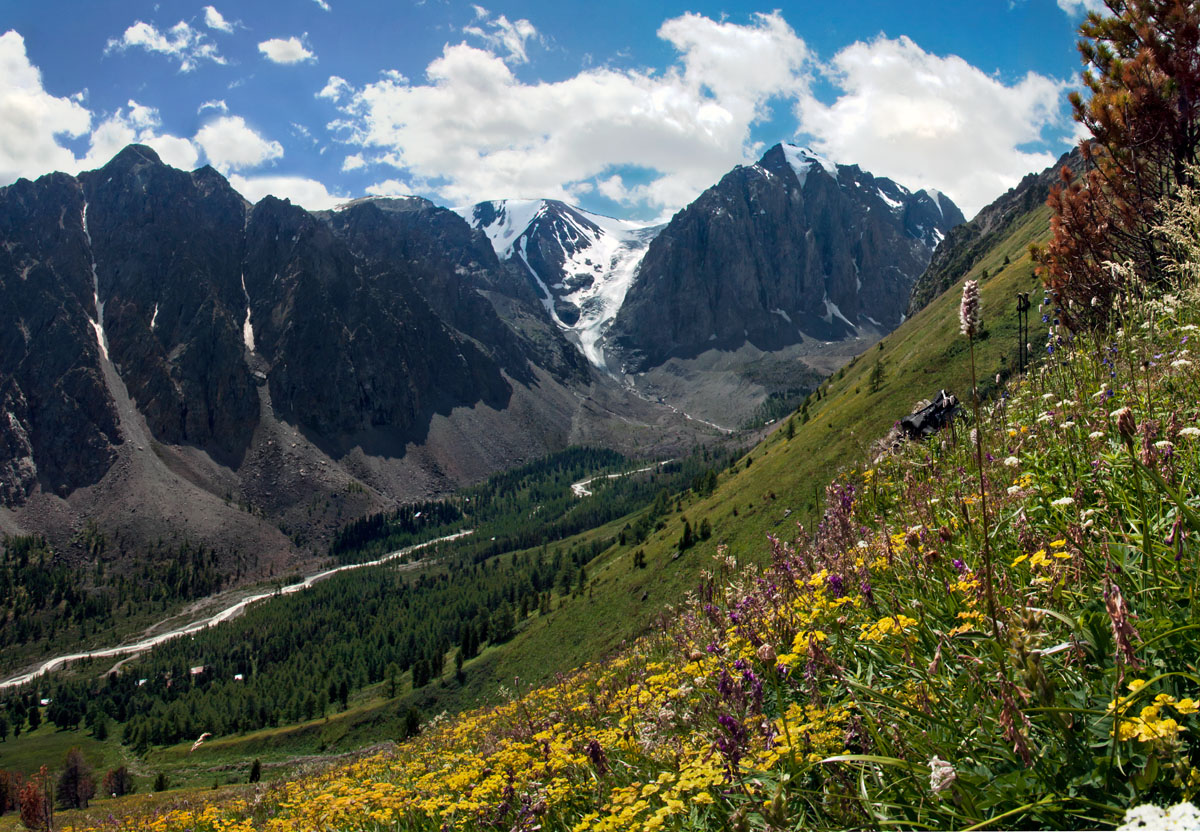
x=255, y=771
x=876, y=379
x=118, y=782
x=686, y=541
x=75, y=785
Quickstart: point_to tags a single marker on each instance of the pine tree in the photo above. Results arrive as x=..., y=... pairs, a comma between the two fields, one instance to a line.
x=686, y=541
x=876, y=380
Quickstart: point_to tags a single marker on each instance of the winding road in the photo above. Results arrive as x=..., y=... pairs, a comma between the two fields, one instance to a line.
x=226, y=614
x=580, y=489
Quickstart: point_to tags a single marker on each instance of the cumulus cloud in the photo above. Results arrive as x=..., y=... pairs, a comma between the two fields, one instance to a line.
x=335, y=88
x=502, y=34
x=213, y=19
x=307, y=193
x=231, y=144
x=354, y=162
x=286, y=51
x=181, y=42
x=926, y=120
x=479, y=132
x=389, y=187
x=31, y=119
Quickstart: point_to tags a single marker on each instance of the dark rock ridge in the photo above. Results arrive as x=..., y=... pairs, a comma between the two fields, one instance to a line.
x=167, y=347
x=965, y=244
x=788, y=249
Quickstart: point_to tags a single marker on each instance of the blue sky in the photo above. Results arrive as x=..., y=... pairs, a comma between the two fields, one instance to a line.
x=625, y=107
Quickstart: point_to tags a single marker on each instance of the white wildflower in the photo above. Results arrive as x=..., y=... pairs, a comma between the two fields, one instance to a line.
x=1149, y=816
x=1047, y=396
x=1164, y=445
x=1188, y=328
x=1014, y=489
x=1181, y=363
x=1193, y=432
x=1063, y=501
x=1096, y=434
x=1067, y=425
x=941, y=774
x=1012, y=462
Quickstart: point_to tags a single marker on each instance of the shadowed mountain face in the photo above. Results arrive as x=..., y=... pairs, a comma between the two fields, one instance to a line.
x=164, y=344
x=791, y=248
x=188, y=290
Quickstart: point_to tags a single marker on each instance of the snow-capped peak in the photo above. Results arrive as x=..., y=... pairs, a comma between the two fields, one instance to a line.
x=599, y=257
x=802, y=160
x=936, y=196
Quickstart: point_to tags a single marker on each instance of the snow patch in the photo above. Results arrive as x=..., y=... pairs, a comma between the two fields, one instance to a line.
x=936, y=196
x=513, y=218
x=154, y=318
x=802, y=160
x=832, y=311
x=781, y=314
x=97, y=322
x=894, y=204
x=247, y=329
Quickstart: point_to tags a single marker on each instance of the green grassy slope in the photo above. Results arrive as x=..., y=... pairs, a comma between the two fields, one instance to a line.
x=782, y=485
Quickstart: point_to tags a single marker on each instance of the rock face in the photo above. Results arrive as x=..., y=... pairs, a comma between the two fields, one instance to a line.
x=965, y=244
x=791, y=248
x=169, y=351
x=57, y=423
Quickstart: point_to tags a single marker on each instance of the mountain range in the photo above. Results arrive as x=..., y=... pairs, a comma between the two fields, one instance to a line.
x=176, y=361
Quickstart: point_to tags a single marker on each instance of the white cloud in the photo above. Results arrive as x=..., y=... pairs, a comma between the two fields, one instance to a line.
x=335, y=88
x=138, y=124
x=31, y=119
x=354, y=162
x=1079, y=7
x=504, y=35
x=307, y=193
x=323, y=5
x=231, y=144
x=217, y=104
x=213, y=19
x=925, y=120
x=483, y=133
x=286, y=51
x=181, y=42
x=389, y=187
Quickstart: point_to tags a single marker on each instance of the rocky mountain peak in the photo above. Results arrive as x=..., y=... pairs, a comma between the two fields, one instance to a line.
x=791, y=248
